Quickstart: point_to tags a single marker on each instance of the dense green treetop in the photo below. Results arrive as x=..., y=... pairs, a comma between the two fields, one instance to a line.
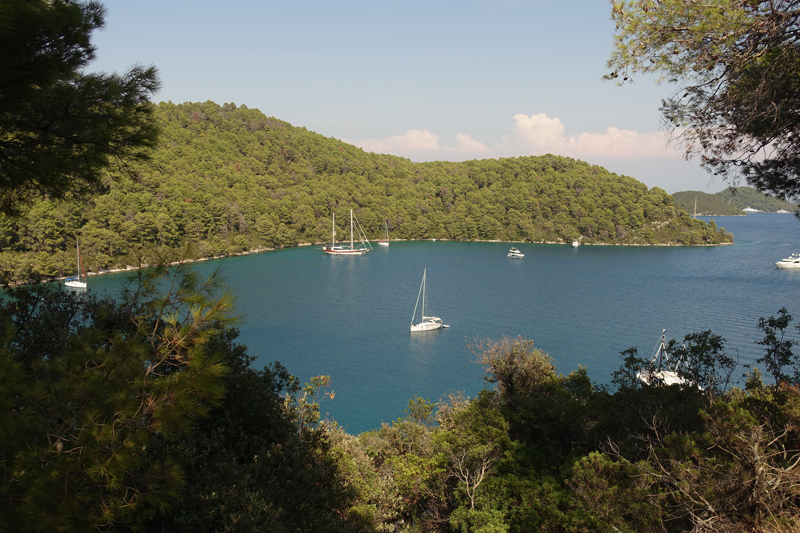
x=61, y=127
x=229, y=179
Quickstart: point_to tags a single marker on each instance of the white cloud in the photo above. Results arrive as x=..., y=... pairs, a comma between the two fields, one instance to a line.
x=539, y=134
x=466, y=144
x=530, y=135
x=424, y=144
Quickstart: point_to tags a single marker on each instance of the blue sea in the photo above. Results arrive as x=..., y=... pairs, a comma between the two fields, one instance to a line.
x=348, y=317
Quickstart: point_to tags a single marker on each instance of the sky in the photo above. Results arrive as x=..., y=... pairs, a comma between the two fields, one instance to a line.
x=427, y=80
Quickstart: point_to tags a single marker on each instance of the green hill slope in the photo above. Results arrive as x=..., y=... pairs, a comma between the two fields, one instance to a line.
x=744, y=197
x=229, y=179
x=706, y=204
x=731, y=201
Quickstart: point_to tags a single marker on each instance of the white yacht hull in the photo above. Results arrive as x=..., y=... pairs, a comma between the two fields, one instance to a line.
x=344, y=251
x=427, y=325
x=789, y=262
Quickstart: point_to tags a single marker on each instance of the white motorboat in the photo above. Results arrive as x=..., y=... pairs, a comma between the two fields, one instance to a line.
x=385, y=240
x=344, y=249
x=793, y=261
x=575, y=244
x=663, y=371
x=79, y=281
x=513, y=252
x=426, y=323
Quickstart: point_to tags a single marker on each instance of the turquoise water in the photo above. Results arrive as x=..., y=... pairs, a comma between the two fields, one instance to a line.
x=348, y=316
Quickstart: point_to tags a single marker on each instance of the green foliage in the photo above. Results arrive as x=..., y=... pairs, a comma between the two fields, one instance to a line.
x=61, y=127
x=778, y=348
x=90, y=384
x=229, y=180
x=248, y=465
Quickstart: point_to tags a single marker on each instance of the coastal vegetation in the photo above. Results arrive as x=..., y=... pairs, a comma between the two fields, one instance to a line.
x=731, y=201
x=144, y=414
x=228, y=179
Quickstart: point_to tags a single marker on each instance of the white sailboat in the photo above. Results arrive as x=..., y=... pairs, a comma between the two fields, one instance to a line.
x=363, y=248
x=79, y=281
x=426, y=323
x=663, y=371
x=385, y=241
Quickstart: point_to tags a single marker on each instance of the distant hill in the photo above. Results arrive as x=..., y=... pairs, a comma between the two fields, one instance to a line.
x=704, y=204
x=744, y=197
x=228, y=179
x=731, y=201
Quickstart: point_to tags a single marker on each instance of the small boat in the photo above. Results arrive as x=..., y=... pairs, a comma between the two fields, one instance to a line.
x=385, y=241
x=749, y=209
x=793, y=261
x=79, y=281
x=663, y=371
x=575, y=244
x=364, y=247
x=513, y=252
x=426, y=323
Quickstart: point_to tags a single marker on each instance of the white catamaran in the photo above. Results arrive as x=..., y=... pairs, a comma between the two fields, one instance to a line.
x=426, y=323
x=344, y=249
x=79, y=281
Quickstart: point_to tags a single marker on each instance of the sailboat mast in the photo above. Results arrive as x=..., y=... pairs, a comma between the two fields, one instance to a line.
x=351, y=229
x=424, y=275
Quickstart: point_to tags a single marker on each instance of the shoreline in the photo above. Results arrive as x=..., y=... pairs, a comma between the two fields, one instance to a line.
x=130, y=268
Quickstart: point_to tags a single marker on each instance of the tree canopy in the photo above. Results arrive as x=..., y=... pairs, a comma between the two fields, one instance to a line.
x=61, y=126
x=736, y=67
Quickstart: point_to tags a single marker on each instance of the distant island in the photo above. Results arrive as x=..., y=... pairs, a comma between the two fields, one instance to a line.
x=228, y=180
x=732, y=201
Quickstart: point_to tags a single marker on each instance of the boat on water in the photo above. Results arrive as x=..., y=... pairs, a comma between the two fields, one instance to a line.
x=385, y=240
x=79, y=281
x=749, y=209
x=426, y=323
x=575, y=244
x=663, y=370
x=513, y=252
x=793, y=261
x=352, y=249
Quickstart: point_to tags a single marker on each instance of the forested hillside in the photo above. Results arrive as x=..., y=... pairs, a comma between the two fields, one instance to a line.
x=229, y=179
x=731, y=201
x=704, y=204
x=743, y=197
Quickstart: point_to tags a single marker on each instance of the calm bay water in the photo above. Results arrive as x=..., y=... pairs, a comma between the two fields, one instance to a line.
x=348, y=316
